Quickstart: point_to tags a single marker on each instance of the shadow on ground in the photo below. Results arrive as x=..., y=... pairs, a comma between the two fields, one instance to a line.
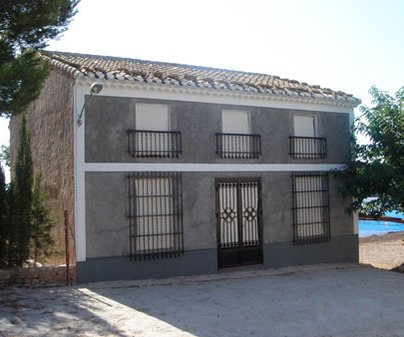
x=343, y=301
x=52, y=312
x=338, y=302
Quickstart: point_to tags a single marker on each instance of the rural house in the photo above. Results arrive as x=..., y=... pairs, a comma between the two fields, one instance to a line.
x=169, y=169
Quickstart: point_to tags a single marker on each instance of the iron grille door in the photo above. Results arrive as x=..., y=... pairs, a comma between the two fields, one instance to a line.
x=239, y=226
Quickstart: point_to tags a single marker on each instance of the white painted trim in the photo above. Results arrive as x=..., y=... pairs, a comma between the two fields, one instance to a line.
x=202, y=167
x=76, y=217
x=80, y=199
x=356, y=223
x=132, y=89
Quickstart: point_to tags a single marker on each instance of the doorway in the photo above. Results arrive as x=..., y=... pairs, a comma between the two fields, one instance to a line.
x=239, y=221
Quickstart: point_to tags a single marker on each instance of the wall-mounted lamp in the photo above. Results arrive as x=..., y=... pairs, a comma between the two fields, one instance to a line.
x=94, y=90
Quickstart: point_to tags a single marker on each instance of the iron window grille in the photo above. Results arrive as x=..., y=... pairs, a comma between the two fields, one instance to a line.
x=311, y=211
x=238, y=146
x=155, y=215
x=307, y=147
x=154, y=144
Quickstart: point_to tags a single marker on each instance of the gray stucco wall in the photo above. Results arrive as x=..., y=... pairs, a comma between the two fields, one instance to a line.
x=107, y=223
x=107, y=205
x=108, y=118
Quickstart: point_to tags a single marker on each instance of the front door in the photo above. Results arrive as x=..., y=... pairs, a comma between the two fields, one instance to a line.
x=239, y=227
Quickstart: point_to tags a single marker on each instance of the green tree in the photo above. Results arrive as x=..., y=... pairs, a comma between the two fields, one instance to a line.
x=5, y=155
x=3, y=219
x=25, y=27
x=23, y=183
x=42, y=222
x=377, y=167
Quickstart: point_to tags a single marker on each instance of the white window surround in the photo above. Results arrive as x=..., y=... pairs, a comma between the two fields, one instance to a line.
x=116, y=88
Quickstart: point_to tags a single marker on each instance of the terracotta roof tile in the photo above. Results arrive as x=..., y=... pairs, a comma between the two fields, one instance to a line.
x=185, y=75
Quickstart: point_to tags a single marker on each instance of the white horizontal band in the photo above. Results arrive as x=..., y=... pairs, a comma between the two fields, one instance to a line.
x=136, y=167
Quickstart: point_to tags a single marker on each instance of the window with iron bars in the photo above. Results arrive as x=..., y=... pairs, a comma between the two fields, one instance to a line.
x=311, y=212
x=155, y=213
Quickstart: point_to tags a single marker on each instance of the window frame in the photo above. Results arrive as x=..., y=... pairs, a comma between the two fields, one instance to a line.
x=153, y=142
x=237, y=144
x=155, y=215
x=248, y=121
x=309, y=201
x=138, y=107
x=304, y=146
x=315, y=125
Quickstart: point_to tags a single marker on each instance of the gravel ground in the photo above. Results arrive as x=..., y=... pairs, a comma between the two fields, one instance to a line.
x=382, y=251
x=323, y=300
x=344, y=300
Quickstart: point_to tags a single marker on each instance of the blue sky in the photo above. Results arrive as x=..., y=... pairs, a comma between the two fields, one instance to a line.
x=346, y=45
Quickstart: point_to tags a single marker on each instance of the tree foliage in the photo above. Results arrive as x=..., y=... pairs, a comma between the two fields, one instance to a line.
x=25, y=27
x=23, y=184
x=5, y=155
x=26, y=220
x=377, y=167
x=42, y=223
x=3, y=217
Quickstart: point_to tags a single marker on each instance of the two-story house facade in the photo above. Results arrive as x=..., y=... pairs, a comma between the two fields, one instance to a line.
x=174, y=169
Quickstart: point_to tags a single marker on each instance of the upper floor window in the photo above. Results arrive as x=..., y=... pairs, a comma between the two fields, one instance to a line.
x=305, y=144
x=152, y=136
x=236, y=140
x=234, y=121
x=152, y=117
x=305, y=126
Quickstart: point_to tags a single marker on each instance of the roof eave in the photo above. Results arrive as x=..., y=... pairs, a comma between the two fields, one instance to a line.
x=259, y=96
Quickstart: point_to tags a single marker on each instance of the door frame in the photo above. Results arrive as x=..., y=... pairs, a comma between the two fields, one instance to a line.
x=241, y=248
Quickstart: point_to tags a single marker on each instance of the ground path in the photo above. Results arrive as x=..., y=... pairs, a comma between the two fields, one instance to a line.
x=322, y=300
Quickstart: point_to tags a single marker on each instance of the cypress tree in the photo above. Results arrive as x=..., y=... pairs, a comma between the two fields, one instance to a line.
x=23, y=183
x=3, y=219
x=12, y=247
x=42, y=222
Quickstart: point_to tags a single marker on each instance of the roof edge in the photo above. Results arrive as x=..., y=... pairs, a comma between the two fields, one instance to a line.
x=327, y=96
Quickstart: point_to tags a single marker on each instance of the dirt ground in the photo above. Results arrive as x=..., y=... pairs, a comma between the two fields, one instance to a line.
x=382, y=251
x=322, y=300
x=344, y=300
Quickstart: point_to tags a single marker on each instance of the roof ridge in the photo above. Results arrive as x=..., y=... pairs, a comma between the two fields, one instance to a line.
x=173, y=64
x=123, y=68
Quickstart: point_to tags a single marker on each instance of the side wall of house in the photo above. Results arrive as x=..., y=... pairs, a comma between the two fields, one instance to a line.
x=50, y=121
x=107, y=201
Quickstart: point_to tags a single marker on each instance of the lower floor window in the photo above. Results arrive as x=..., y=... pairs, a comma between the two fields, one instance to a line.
x=155, y=205
x=311, y=215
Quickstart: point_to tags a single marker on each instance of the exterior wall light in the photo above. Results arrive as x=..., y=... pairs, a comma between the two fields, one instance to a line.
x=94, y=90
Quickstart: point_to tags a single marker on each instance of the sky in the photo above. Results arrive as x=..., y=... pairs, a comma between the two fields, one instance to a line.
x=346, y=45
